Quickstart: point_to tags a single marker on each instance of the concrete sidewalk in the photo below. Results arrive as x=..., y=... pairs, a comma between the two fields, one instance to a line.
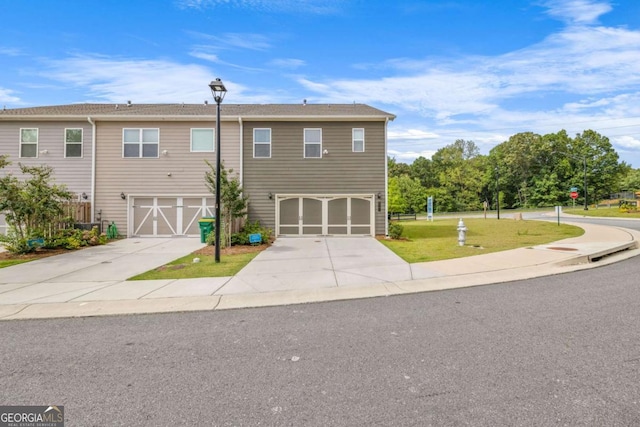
x=92, y=282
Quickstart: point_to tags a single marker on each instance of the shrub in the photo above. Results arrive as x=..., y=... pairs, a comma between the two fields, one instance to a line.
x=395, y=230
x=71, y=238
x=242, y=238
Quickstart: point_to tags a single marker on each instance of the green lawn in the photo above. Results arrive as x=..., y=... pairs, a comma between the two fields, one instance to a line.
x=10, y=262
x=438, y=240
x=185, y=268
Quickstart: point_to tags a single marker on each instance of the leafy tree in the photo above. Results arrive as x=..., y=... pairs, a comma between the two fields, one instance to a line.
x=233, y=202
x=460, y=170
x=32, y=207
x=397, y=169
x=406, y=195
x=423, y=170
x=631, y=180
x=397, y=203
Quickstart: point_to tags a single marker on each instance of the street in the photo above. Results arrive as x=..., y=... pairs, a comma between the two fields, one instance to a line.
x=561, y=350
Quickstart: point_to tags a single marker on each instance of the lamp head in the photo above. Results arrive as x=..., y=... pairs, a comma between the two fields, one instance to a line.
x=218, y=90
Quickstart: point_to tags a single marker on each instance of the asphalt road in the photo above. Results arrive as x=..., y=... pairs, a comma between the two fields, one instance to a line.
x=562, y=350
x=608, y=222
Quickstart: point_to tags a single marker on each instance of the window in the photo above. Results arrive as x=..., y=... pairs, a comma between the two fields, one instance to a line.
x=202, y=140
x=73, y=142
x=313, y=143
x=262, y=143
x=140, y=142
x=358, y=140
x=28, y=142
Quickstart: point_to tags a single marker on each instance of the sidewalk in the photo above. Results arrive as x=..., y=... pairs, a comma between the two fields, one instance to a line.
x=294, y=270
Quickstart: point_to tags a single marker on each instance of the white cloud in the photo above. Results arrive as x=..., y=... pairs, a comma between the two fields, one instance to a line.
x=10, y=51
x=626, y=142
x=411, y=134
x=250, y=41
x=286, y=6
x=116, y=80
x=577, y=11
x=206, y=56
x=289, y=63
x=6, y=95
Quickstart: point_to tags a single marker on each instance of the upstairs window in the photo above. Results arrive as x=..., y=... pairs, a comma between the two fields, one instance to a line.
x=312, y=143
x=358, y=140
x=202, y=140
x=73, y=142
x=28, y=142
x=140, y=142
x=262, y=143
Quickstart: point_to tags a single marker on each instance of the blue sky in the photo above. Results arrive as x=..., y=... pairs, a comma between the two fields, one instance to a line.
x=479, y=70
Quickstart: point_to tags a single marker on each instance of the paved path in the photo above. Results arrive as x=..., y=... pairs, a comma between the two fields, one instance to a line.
x=293, y=270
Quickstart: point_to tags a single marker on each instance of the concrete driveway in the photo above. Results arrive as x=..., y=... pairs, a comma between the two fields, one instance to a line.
x=318, y=262
x=115, y=261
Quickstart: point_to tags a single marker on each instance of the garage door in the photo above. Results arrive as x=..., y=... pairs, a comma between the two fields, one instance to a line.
x=331, y=215
x=165, y=216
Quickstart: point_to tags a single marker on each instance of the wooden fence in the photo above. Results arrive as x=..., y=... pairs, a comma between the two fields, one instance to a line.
x=77, y=211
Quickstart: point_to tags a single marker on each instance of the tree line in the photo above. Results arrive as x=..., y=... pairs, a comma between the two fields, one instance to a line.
x=528, y=170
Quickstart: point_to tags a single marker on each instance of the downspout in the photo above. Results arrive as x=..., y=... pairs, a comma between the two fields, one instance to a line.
x=241, y=149
x=93, y=169
x=386, y=179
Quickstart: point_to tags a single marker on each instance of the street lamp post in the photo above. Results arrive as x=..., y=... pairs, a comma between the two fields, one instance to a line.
x=219, y=91
x=584, y=163
x=498, y=192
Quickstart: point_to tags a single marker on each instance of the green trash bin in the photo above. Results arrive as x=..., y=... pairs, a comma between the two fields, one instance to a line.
x=206, y=228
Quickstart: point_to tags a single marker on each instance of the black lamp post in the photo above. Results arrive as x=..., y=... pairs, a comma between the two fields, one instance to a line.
x=498, y=191
x=584, y=160
x=219, y=91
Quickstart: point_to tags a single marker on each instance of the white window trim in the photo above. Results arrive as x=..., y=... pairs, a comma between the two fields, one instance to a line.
x=37, y=143
x=81, y=143
x=213, y=149
x=353, y=140
x=304, y=150
x=261, y=143
x=140, y=130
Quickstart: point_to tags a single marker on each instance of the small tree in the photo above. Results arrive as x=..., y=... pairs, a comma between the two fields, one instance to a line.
x=32, y=207
x=233, y=202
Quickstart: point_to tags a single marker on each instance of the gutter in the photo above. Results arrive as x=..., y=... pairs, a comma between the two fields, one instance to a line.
x=93, y=169
x=386, y=180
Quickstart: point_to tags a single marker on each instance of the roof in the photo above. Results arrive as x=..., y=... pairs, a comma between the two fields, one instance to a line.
x=131, y=111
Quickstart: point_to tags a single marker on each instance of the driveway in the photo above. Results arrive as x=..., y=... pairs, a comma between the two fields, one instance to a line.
x=319, y=262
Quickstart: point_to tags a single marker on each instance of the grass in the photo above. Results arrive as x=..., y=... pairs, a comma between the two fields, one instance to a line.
x=10, y=262
x=438, y=240
x=185, y=268
x=612, y=212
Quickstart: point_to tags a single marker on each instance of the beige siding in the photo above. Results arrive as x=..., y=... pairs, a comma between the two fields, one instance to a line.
x=75, y=173
x=341, y=171
x=150, y=176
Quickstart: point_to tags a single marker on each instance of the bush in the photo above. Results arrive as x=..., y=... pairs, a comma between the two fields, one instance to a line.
x=14, y=243
x=242, y=238
x=71, y=238
x=395, y=230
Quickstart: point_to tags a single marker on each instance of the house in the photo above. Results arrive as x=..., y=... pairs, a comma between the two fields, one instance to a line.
x=307, y=169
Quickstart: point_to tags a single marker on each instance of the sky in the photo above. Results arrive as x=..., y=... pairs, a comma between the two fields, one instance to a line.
x=479, y=70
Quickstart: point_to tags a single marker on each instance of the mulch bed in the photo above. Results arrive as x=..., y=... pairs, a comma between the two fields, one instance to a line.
x=241, y=249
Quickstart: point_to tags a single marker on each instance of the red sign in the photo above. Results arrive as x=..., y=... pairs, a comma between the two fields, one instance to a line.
x=574, y=195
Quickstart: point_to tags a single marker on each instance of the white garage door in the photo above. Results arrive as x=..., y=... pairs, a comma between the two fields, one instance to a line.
x=331, y=215
x=165, y=216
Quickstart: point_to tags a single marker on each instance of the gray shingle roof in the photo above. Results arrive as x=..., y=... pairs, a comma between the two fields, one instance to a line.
x=186, y=111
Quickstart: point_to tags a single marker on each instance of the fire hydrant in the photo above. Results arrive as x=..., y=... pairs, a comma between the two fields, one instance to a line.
x=462, y=233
